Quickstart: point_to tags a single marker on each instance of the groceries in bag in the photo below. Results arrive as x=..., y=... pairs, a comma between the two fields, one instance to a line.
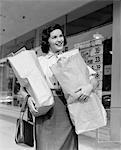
x=28, y=71
x=72, y=73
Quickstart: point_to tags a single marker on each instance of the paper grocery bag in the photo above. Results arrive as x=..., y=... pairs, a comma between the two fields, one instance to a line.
x=30, y=75
x=88, y=116
x=72, y=73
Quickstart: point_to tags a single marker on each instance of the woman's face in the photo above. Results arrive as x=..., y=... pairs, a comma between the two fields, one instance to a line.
x=56, y=40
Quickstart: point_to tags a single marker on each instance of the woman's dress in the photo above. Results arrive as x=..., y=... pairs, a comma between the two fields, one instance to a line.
x=54, y=130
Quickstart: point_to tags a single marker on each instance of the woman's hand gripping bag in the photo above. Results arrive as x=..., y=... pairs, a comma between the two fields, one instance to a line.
x=72, y=73
x=28, y=71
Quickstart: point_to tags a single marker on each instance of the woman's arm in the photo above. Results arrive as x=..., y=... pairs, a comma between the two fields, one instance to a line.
x=93, y=82
x=92, y=77
x=25, y=94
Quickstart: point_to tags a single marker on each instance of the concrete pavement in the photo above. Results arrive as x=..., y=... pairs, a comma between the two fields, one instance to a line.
x=7, y=133
x=8, y=115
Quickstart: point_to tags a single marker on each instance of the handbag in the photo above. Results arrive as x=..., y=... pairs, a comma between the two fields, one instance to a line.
x=24, y=129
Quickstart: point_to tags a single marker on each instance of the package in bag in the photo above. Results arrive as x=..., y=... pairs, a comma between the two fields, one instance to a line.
x=72, y=73
x=28, y=71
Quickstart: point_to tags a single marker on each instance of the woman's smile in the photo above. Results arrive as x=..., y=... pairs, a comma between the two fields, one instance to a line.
x=56, y=40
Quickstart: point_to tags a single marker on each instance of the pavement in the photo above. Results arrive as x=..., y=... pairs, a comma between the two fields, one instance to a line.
x=8, y=116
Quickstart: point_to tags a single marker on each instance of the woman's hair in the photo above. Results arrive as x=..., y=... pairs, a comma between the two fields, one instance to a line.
x=46, y=34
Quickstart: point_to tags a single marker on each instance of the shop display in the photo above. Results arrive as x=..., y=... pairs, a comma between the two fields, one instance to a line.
x=97, y=54
x=92, y=53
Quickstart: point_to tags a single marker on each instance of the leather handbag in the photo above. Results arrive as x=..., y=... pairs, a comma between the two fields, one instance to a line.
x=24, y=129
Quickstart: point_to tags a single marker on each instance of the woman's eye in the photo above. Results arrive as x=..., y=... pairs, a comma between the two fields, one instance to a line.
x=61, y=35
x=54, y=37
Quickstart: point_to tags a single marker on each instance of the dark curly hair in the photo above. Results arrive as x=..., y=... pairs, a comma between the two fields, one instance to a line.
x=46, y=34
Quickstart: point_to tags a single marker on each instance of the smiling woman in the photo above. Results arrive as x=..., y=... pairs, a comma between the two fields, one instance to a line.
x=56, y=40
x=53, y=39
x=53, y=130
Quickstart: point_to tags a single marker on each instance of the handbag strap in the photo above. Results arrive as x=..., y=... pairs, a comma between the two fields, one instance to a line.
x=24, y=106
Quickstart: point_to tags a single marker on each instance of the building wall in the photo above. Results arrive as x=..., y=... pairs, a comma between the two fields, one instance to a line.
x=106, y=31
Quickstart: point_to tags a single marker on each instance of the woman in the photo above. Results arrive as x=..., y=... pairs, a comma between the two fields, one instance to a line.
x=54, y=130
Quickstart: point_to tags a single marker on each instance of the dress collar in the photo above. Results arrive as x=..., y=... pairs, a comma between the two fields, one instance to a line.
x=51, y=54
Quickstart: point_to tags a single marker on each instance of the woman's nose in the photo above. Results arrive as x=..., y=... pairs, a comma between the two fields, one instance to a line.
x=59, y=39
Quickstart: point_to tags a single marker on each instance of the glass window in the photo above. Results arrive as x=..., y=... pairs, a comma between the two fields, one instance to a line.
x=9, y=87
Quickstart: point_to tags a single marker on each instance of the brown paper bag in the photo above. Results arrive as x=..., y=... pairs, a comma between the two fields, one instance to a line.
x=72, y=74
x=88, y=116
x=30, y=75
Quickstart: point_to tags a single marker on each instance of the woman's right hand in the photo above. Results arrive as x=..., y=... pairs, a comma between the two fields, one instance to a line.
x=31, y=105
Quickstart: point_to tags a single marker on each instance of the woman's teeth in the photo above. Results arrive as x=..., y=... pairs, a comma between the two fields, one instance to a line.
x=59, y=44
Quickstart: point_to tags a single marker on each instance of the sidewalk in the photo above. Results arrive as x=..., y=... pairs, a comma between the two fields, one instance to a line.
x=7, y=133
x=89, y=143
x=8, y=116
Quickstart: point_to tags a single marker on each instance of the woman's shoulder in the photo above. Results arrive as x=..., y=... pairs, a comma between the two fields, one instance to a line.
x=47, y=58
x=43, y=61
x=42, y=58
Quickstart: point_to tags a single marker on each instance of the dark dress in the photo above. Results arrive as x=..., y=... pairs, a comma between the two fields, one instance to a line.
x=54, y=130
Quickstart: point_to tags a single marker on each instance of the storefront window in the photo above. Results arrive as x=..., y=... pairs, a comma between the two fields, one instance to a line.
x=9, y=88
x=86, y=26
x=14, y=88
x=5, y=94
x=107, y=65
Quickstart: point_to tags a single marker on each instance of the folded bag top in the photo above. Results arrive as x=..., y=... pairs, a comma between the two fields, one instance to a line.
x=71, y=71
